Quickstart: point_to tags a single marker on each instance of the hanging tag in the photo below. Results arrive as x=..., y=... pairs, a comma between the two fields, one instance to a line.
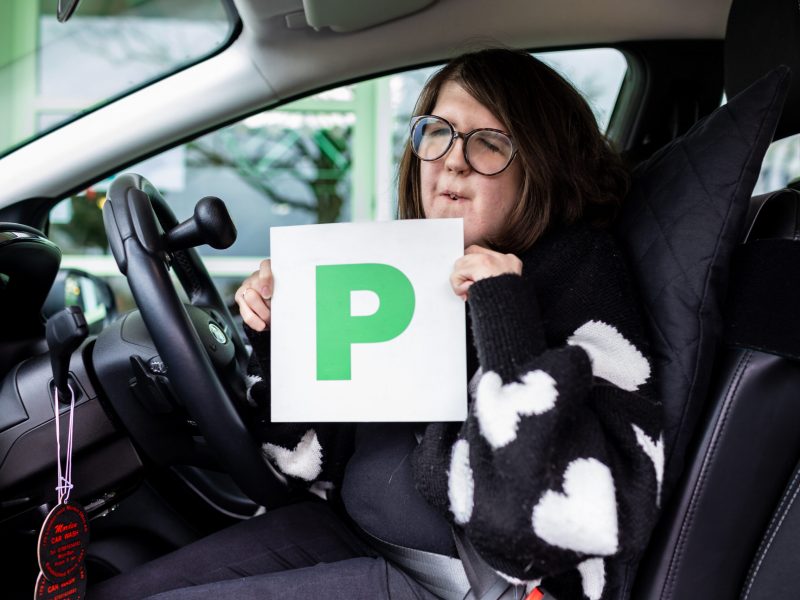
x=71, y=588
x=64, y=537
x=63, y=541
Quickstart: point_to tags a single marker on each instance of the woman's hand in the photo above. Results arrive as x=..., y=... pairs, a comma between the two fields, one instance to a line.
x=254, y=297
x=479, y=263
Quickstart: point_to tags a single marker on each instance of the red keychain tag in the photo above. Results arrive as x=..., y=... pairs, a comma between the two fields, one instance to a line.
x=63, y=541
x=71, y=588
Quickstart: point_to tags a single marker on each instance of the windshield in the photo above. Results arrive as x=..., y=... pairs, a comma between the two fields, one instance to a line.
x=51, y=72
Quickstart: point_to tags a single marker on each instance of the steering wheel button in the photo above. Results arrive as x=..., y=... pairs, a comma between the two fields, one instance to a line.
x=148, y=388
x=157, y=366
x=217, y=332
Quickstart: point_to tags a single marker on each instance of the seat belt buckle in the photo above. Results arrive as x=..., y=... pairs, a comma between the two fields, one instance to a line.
x=539, y=594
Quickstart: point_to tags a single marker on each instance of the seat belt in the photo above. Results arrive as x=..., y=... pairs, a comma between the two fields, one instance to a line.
x=440, y=574
x=469, y=578
x=485, y=582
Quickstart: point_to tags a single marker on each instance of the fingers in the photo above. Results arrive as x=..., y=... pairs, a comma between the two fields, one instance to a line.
x=475, y=249
x=460, y=284
x=510, y=262
x=261, y=280
x=255, y=310
x=254, y=297
x=265, y=283
x=488, y=263
x=480, y=263
x=260, y=306
x=258, y=322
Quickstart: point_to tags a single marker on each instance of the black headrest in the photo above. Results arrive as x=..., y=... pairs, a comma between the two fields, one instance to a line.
x=761, y=35
x=19, y=228
x=28, y=266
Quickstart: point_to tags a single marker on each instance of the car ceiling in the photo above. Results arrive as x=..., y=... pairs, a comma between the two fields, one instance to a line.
x=272, y=61
x=291, y=59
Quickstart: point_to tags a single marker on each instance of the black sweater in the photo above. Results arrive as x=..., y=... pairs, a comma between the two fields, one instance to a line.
x=556, y=472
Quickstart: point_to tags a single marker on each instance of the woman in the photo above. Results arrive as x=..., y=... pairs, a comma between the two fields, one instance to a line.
x=555, y=475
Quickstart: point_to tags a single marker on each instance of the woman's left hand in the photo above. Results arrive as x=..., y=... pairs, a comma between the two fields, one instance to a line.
x=479, y=263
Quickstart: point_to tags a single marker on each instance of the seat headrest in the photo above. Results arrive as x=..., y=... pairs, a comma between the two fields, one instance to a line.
x=19, y=228
x=760, y=36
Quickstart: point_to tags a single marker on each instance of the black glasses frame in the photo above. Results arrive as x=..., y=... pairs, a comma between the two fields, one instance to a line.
x=455, y=134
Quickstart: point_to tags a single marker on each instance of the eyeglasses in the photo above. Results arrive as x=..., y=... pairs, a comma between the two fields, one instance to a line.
x=486, y=151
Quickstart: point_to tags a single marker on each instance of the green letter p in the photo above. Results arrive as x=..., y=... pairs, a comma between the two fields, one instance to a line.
x=338, y=329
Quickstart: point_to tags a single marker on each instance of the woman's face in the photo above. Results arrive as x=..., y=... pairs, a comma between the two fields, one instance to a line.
x=450, y=188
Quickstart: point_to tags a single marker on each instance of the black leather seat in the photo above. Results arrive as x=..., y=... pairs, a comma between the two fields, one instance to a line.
x=726, y=516
x=775, y=238
x=749, y=441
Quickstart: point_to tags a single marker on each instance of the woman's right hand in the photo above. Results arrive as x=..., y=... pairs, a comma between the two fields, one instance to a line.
x=254, y=297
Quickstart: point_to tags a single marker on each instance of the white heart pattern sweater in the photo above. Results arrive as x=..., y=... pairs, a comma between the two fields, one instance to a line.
x=556, y=473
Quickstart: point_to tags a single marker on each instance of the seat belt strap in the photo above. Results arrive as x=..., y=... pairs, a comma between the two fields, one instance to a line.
x=469, y=578
x=485, y=582
x=442, y=575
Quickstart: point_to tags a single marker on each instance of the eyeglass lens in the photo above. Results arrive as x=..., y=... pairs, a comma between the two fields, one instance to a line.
x=487, y=151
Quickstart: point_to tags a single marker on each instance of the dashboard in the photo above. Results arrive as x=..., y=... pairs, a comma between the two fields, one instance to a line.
x=29, y=265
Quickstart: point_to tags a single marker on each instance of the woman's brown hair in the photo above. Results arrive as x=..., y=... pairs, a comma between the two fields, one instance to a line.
x=569, y=170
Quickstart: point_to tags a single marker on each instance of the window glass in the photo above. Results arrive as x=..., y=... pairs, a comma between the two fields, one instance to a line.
x=597, y=73
x=781, y=165
x=51, y=72
x=327, y=158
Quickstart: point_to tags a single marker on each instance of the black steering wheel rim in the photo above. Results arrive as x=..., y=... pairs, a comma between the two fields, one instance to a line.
x=135, y=216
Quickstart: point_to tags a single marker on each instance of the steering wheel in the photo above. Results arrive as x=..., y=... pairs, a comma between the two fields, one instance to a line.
x=136, y=218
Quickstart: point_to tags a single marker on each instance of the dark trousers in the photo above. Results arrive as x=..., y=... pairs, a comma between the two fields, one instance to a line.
x=302, y=551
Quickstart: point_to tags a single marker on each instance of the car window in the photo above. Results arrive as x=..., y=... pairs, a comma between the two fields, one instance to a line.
x=781, y=165
x=327, y=158
x=51, y=72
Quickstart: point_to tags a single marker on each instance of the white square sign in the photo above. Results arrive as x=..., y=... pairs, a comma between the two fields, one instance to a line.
x=365, y=325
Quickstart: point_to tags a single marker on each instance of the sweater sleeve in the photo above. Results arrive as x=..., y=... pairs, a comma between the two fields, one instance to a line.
x=560, y=460
x=305, y=453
